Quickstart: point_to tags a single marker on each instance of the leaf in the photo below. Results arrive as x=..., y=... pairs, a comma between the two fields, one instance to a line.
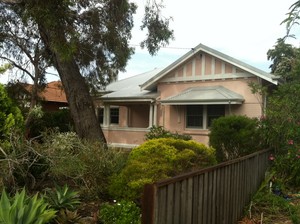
x=4, y=207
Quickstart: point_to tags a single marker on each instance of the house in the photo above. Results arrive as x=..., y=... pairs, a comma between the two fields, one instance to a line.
x=53, y=97
x=183, y=97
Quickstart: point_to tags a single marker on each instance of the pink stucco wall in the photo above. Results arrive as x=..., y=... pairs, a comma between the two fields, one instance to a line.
x=138, y=116
x=125, y=137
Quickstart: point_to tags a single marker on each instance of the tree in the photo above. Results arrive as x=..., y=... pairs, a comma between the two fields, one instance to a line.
x=22, y=48
x=89, y=39
x=281, y=125
x=284, y=59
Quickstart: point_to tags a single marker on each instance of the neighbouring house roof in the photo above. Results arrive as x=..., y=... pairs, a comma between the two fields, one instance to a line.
x=152, y=82
x=129, y=89
x=205, y=95
x=53, y=92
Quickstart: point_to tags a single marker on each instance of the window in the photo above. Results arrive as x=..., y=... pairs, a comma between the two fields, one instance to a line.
x=194, y=116
x=213, y=112
x=114, y=115
x=201, y=116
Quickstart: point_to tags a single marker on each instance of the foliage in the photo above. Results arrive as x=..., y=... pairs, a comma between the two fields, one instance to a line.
x=282, y=120
x=99, y=54
x=63, y=198
x=21, y=163
x=287, y=165
x=5, y=67
x=10, y=115
x=89, y=165
x=234, y=136
x=24, y=209
x=284, y=59
x=22, y=48
x=159, y=159
x=60, y=120
x=273, y=205
x=122, y=212
x=67, y=217
x=161, y=132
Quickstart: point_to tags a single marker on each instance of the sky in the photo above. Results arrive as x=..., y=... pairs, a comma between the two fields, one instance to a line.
x=242, y=29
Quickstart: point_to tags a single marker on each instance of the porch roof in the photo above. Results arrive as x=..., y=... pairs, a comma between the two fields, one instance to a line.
x=205, y=95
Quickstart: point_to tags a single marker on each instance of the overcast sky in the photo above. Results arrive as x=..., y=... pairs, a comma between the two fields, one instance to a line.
x=242, y=29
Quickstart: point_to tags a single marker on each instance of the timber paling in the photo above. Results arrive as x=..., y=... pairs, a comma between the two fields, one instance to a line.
x=214, y=195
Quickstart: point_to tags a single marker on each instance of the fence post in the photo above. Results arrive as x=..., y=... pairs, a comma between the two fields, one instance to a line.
x=148, y=204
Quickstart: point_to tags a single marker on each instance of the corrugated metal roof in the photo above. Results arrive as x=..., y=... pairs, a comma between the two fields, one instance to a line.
x=129, y=88
x=205, y=95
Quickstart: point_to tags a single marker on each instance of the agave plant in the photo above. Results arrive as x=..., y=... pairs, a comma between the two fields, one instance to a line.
x=24, y=209
x=66, y=217
x=63, y=198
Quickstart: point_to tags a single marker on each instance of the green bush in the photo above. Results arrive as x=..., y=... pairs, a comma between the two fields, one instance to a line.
x=60, y=120
x=24, y=209
x=159, y=159
x=234, y=136
x=88, y=165
x=160, y=132
x=123, y=212
x=287, y=166
x=10, y=115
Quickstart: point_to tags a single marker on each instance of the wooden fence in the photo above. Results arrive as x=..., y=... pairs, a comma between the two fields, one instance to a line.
x=215, y=195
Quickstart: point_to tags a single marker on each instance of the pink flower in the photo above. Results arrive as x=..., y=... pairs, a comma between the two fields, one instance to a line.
x=271, y=157
x=290, y=142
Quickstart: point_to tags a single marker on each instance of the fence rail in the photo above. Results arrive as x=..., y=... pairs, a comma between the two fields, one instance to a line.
x=215, y=195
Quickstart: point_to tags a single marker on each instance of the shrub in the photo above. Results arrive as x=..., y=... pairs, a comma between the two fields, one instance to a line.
x=234, y=136
x=159, y=159
x=122, y=212
x=24, y=209
x=21, y=163
x=42, y=121
x=88, y=165
x=287, y=166
x=10, y=115
x=160, y=132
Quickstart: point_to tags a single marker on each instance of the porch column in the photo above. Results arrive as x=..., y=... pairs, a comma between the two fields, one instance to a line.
x=106, y=116
x=155, y=115
x=127, y=117
x=150, y=115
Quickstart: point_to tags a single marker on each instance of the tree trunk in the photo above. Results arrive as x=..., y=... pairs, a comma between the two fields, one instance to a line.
x=77, y=92
x=80, y=102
